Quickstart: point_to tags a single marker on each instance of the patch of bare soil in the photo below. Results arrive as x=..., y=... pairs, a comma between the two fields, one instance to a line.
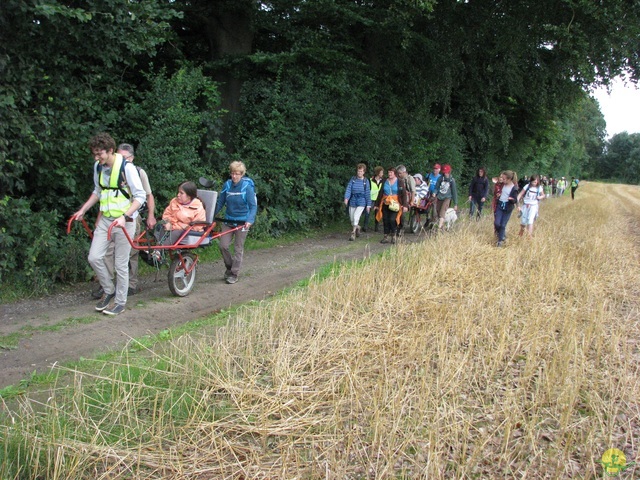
x=153, y=309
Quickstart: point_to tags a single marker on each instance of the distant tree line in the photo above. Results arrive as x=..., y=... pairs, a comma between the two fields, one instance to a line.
x=301, y=90
x=620, y=159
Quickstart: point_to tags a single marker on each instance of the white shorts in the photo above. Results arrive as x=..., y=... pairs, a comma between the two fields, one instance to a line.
x=529, y=214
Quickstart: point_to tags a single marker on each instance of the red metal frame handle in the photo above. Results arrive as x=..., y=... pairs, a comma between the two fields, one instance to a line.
x=123, y=229
x=84, y=224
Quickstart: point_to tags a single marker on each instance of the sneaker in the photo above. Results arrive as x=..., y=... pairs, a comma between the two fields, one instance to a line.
x=228, y=274
x=132, y=291
x=352, y=237
x=115, y=310
x=500, y=244
x=104, y=303
x=358, y=232
x=231, y=279
x=97, y=293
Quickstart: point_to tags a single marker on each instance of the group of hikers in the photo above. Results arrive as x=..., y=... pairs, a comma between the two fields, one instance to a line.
x=391, y=198
x=122, y=191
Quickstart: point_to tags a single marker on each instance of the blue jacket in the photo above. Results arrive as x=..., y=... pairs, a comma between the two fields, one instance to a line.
x=240, y=199
x=358, y=192
x=432, y=179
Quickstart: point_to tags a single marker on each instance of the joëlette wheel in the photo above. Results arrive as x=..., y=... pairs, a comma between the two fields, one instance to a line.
x=181, y=282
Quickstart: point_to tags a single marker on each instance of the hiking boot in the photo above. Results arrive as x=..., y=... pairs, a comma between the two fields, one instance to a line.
x=115, y=310
x=375, y=227
x=385, y=239
x=352, y=237
x=228, y=274
x=132, y=291
x=500, y=244
x=97, y=293
x=357, y=231
x=104, y=303
x=231, y=279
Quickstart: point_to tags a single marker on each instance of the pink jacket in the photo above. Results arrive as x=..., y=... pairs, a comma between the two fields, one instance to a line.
x=179, y=216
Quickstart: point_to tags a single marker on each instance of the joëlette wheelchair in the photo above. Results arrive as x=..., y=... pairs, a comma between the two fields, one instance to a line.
x=181, y=256
x=421, y=215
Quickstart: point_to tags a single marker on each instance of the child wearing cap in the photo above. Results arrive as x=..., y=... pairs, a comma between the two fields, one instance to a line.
x=432, y=178
x=446, y=194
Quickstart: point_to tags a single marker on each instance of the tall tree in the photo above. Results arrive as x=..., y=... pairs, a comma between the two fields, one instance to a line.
x=64, y=72
x=621, y=161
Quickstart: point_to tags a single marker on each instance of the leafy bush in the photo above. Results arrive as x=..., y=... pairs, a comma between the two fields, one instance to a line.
x=173, y=126
x=32, y=255
x=302, y=134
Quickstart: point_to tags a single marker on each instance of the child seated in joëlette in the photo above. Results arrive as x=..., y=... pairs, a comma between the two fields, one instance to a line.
x=422, y=191
x=185, y=208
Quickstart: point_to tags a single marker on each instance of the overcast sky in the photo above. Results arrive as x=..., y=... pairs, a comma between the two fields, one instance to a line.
x=621, y=108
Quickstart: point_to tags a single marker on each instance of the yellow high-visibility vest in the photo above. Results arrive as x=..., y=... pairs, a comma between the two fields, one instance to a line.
x=115, y=196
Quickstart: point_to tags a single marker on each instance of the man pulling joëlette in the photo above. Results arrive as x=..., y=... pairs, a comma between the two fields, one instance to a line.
x=119, y=202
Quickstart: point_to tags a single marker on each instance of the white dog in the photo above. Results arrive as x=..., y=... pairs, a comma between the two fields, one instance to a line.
x=450, y=217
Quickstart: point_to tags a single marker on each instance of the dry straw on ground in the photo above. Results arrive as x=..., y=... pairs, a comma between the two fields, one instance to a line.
x=449, y=358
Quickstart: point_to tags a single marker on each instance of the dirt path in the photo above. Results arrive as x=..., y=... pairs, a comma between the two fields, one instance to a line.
x=265, y=272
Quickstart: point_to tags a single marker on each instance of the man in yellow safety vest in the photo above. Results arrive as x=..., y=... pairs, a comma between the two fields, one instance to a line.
x=118, y=189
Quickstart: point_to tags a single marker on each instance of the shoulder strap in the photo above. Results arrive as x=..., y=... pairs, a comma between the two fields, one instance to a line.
x=122, y=179
x=246, y=181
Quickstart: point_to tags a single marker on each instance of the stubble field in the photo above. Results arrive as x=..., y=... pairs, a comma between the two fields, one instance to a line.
x=448, y=358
